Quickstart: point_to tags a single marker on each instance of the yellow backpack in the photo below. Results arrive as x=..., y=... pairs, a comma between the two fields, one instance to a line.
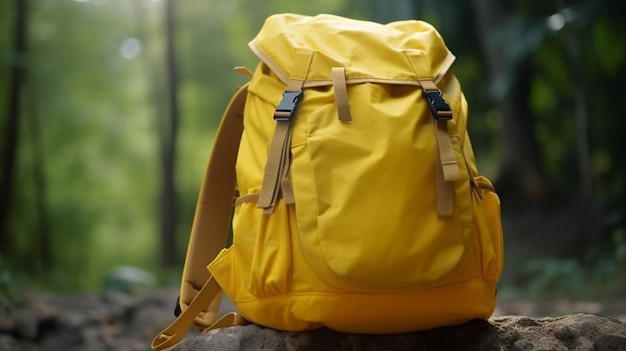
x=359, y=206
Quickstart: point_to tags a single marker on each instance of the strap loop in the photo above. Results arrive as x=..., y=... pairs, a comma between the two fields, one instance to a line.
x=244, y=71
x=341, y=94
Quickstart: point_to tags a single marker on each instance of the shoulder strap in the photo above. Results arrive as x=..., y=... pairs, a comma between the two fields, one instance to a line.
x=199, y=293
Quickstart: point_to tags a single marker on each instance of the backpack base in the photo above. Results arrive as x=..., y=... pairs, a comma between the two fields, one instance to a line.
x=362, y=313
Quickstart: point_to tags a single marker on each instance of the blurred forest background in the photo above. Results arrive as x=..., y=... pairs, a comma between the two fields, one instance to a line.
x=108, y=110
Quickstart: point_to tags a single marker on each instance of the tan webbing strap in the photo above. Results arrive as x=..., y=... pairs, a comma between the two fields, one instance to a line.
x=445, y=194
x=445, y=189
x=176, y=331
x=228, y=320
x=279, y=155
x=276, y=166
x=449, y=163
x=341, y=93
x=446, y=152
x=449, y=169
x=300, y=69
x=200, y=294
x=244, y=71
x=286, y=186
x=248, y=198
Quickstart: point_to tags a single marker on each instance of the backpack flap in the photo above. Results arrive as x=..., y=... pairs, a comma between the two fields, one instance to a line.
x=368, y=51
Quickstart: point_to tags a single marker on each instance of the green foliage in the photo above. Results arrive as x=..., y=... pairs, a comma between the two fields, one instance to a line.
x=98, y=148
x=128, y=279
x=597, y=276
x=11, y=289
x=99, y=113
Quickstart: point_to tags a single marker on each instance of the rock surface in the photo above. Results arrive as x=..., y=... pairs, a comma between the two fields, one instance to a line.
x=574, y=332
x=116, y=321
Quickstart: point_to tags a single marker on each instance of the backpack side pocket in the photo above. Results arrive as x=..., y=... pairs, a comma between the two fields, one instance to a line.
x=488, y=227
x=263, y=245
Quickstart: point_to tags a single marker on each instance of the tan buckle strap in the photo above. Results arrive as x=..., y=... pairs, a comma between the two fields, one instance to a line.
x=279, y=156
x=448, y=170
x=276, y=168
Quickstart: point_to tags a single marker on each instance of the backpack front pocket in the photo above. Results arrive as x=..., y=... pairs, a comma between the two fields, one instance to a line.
x=366, y=202
x=263, y=243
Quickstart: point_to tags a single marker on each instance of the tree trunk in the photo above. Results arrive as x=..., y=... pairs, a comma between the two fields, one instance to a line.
x=15, y=92
x=168, y=150
x=521, y=177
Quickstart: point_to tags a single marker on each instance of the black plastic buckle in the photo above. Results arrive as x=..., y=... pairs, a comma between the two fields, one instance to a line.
x=287, y=107
x=438, y=106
